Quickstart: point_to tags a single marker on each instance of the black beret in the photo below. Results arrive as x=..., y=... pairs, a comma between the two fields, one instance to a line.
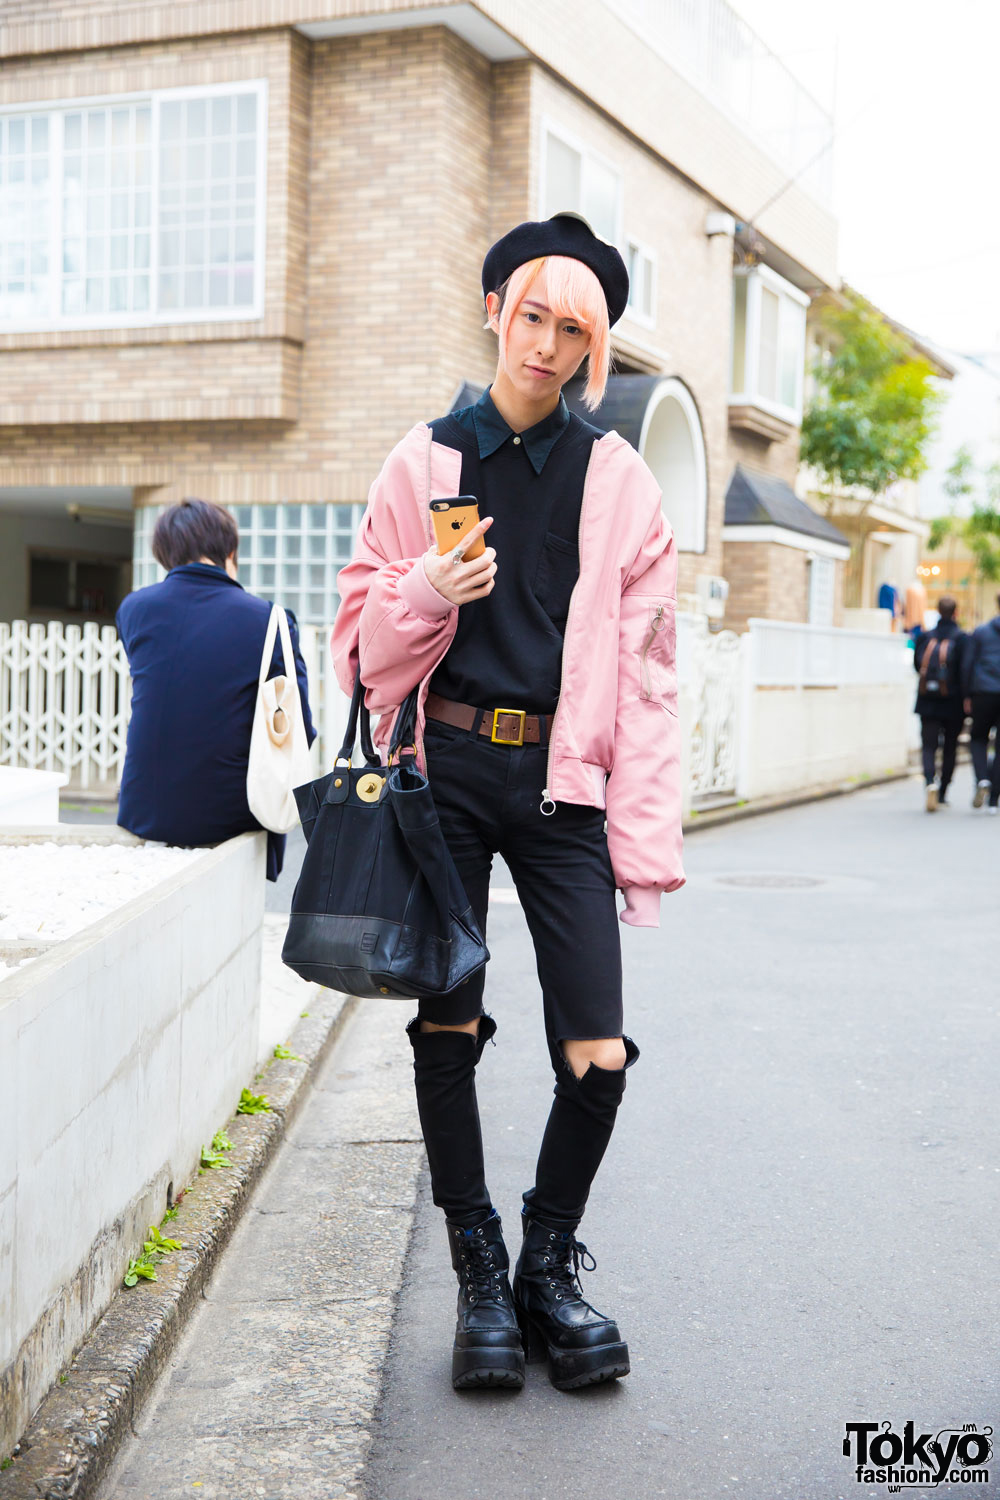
x=566, y=233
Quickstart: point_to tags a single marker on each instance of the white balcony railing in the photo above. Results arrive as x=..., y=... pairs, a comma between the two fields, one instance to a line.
x=715, y=49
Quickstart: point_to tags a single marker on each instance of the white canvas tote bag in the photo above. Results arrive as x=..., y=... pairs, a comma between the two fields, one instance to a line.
x=279, y=754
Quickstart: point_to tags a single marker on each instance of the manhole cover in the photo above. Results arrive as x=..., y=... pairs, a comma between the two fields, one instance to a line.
x=772, y=882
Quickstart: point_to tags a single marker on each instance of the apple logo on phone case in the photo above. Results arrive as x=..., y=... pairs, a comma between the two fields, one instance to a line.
x=456, y=525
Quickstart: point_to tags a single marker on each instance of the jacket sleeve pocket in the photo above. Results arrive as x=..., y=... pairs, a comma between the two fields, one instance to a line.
x=658, y=655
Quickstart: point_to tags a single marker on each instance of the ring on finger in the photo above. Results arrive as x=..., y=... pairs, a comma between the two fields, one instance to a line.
x=457, y=556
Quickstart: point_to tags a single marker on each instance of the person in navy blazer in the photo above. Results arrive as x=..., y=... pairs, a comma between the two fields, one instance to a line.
x=194, y=644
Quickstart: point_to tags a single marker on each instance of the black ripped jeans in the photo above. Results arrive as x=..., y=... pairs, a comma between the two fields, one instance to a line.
x=488, y=799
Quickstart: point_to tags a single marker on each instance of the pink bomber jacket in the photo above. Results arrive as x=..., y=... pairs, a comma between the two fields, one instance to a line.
x=615, y=739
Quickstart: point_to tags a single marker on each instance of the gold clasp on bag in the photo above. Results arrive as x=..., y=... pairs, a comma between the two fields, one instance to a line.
x=369, y=788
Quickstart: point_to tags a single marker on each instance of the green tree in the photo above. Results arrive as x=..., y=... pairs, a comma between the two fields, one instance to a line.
x=870, y=420
x=874, y=408
x=980, y=529
x=958, y=481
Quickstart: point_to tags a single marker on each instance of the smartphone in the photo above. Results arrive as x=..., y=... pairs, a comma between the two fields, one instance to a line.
x=453, y=519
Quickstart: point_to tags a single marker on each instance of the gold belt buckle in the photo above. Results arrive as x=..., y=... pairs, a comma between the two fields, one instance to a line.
x=516, y=713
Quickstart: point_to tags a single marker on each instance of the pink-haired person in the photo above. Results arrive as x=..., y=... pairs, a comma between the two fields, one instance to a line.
x=547, y=727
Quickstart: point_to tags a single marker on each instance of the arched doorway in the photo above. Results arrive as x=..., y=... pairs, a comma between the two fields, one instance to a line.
x=658, y=415
x=673, y=446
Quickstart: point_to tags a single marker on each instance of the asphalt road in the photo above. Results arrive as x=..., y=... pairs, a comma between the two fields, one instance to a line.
x=796, y=1221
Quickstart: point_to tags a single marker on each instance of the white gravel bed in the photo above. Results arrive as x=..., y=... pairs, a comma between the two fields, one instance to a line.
x=51, y=891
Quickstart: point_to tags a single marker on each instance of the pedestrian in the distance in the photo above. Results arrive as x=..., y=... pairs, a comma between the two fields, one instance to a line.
x=194, y=643
x=981, y=682
x=547, y=705
x=937, y=657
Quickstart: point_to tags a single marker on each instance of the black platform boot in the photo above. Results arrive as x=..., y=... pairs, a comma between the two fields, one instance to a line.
x=583, y=1346
x=488, y=1350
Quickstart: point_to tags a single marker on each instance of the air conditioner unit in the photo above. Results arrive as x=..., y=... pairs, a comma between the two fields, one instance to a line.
x=712, y=595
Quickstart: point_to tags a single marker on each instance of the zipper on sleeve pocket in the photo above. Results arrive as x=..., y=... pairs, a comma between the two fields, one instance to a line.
x=655, y=624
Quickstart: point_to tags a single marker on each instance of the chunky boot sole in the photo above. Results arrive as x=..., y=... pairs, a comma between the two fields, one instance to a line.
x=571, y=1369
x=472, y=1368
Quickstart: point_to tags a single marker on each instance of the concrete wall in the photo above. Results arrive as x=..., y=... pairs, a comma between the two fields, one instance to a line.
x=797, y=737
x=121, y=1051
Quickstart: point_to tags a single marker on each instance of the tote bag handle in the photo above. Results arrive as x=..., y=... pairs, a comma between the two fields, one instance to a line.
x=359, y=710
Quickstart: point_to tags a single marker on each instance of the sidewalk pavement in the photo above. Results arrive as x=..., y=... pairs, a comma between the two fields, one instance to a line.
x=273, y=1386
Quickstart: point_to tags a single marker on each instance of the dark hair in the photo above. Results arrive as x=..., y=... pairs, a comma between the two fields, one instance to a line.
x=191, y=530
x=947, y=607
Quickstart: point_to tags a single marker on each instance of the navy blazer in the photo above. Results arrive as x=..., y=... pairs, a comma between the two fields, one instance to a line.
x=194, y=645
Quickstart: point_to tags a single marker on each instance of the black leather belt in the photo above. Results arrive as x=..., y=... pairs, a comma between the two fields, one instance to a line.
x=504, y=726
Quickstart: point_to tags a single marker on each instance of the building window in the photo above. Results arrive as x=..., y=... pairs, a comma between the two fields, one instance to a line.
x=576, y=178
x=769, y=330
x=821, y=589
x=641, y=284
x=133, y=210
x=290, y=554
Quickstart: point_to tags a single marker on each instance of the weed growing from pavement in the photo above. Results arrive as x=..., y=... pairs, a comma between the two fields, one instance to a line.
x=282, y=1053
x=157, y=1245
x=143, y=1267
x=252, y=1104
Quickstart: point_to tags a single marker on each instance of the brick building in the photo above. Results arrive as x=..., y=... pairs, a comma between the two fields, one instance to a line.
x=240, y=248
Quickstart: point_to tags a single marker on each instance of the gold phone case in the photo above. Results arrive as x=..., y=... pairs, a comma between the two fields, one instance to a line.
x=454, y=520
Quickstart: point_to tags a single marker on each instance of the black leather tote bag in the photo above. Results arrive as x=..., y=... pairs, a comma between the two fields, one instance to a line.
x=379, y=907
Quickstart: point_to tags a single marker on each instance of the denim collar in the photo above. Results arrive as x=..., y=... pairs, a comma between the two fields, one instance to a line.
x=492, y=430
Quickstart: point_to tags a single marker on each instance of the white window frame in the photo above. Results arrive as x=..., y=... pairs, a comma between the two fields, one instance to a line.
x=587, y=154
x=56, y=109
x=756, y=278
x=646, y=320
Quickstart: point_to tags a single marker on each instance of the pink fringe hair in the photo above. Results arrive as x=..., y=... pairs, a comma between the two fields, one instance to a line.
x=573, y=292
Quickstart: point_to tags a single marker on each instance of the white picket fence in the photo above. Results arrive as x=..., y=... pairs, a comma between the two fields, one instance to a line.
x=65, y=693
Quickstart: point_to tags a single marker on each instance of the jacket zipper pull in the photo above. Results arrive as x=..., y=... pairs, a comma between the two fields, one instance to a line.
x=655, y=624
x=547, y=797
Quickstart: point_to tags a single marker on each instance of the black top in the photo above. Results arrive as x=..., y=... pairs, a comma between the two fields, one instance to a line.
x=194, y=644
x=940, y=704
x=981, y=659
x=507, y=650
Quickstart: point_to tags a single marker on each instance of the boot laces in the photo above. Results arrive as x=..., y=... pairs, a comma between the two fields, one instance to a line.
x=566, y=1259
x=482, y=1277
